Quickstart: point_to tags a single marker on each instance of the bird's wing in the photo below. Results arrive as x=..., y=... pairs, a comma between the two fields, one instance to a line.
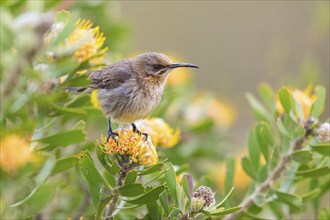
x=112, y=76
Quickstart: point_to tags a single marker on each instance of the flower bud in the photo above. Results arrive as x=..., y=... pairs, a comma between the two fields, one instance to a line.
x=323, y=132
x=197, y=204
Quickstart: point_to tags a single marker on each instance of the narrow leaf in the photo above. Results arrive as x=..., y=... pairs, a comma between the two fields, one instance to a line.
x=94, y=179
x=131, y=177
x=152, y=169
x=318, y=105
x=131, y=190
x=224, y=212
x=292, y=200
x=323, y=149
x=302, y=156
x=171, y=181
x=150, y=196
x=285, y=99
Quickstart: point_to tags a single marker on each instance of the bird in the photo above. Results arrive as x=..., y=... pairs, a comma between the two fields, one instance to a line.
x=130, y=89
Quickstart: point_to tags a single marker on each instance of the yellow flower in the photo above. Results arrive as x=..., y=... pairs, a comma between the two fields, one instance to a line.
x=133, y=145
x=204, y=106
x=160, y=132
x=15, y=153
x=84, y=43
x=88, y=42
x=94, y=99
x=303, y=98
x=241, y=179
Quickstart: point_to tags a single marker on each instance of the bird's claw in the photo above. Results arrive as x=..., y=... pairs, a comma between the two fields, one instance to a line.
x=112, y=135
x=136, y=130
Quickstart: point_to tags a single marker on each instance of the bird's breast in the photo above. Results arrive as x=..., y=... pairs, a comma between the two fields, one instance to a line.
x=131, y=102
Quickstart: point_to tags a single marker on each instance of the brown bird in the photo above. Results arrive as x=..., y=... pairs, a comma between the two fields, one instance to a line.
x=130, y=89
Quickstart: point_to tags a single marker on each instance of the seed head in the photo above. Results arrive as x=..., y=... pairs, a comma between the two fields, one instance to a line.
x=205, y=193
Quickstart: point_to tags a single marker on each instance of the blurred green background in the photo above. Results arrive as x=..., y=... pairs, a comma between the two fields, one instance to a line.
x=237, y=44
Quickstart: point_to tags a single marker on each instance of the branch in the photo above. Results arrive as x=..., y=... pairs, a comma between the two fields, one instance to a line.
x=274, y=175
x=126, y=166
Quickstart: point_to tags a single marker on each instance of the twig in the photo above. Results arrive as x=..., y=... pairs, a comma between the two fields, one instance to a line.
x=275, y=174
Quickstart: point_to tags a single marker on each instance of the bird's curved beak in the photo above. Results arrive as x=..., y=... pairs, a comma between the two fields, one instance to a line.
x=176, y=65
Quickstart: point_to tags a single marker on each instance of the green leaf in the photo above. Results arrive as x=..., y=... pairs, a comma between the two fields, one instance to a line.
x=115, y=168
x=315, y=172
x=230, y=171
x=130, y=177
x=63, y=138
x=248, y=168
x=318, y=105
x=259, y=110
x=95, y=181
x=171, y=181
x=109, y=178
x=65, y=164
x=267, y=95
x=285, y=99
x=222, y=211
x=264, y=138
x=40, y=180
x=174, y=213
x=153, y=211
x=62, y=16
x=292, y=200
x=254, y=149
x=302, y=156
x=185, y=186
x=149, y=197
x=152, y=169
x=311, y=195
x=323, y=149
x=224, y=199
x=131, y=190
x=282, y=128
x=164, y=201
x=324, y=214
x=102, y=205
x=101, y=157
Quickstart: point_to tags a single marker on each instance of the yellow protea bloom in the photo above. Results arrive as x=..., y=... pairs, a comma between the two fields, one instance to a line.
x=15, y=153
x=303, y=98
x=204, y=106
x=132, y=144
x=160, y=132
x=84, y=43
x=88, y=42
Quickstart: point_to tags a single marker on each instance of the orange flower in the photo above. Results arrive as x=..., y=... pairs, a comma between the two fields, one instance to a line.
x=132, y=144
x=15, y=153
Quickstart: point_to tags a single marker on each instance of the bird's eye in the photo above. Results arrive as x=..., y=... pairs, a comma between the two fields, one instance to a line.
x=156, y=66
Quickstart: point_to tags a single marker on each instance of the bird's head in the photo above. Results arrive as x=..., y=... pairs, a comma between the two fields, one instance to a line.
x=156, y=65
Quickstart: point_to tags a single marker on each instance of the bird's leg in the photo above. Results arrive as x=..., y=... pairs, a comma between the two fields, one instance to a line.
x=111, y=134
x=136, y=130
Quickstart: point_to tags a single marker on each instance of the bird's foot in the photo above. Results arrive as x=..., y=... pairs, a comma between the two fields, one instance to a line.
x=136, y=130
x=112, y=135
